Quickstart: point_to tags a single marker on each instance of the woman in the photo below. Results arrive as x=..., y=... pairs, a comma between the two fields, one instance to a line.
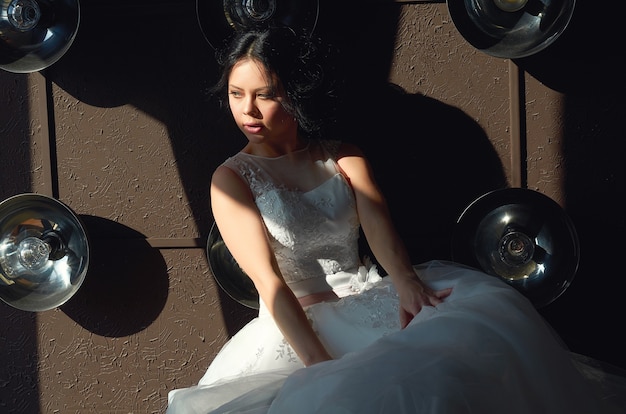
x=332, y=335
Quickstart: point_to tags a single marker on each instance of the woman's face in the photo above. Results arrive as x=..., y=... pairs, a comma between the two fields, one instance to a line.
x=257, y=107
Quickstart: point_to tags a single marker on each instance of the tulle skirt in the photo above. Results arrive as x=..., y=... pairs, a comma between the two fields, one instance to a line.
x=484, y=350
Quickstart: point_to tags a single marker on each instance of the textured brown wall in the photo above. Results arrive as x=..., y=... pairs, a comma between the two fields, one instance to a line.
x=120, y=130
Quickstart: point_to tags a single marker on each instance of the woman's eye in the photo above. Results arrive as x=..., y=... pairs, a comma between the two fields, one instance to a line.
x=266, y=95
x=235, y=94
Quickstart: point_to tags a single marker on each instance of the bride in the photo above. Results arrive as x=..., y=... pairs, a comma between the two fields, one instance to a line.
x=332, y=335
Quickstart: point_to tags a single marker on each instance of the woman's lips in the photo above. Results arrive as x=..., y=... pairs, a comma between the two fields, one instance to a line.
x=253, y=128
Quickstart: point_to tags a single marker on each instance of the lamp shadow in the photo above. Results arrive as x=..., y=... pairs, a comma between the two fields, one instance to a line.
x=586, y=59
x=431, y=161
x=126, y=285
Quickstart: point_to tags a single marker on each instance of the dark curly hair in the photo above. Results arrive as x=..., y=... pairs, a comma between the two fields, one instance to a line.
x=300, y=64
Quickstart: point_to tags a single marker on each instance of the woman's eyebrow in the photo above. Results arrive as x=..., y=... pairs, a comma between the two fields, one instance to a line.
x=263, y=88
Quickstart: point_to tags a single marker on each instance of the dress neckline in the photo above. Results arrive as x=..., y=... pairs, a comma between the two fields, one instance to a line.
x=295, y=152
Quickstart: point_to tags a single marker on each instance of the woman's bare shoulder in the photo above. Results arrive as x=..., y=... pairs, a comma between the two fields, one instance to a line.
x=224, y=172
x=227, y=181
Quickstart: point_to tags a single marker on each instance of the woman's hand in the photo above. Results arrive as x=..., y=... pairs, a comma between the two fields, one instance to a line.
x=414, y=295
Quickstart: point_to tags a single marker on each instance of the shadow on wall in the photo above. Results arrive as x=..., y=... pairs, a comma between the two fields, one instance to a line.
x=431, y=161
x=587, y=59
x=127, y=285
x=15, y=155
x=587, y=66
x=19, y=380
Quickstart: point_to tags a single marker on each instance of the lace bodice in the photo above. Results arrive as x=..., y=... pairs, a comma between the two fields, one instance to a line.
x=309, y=210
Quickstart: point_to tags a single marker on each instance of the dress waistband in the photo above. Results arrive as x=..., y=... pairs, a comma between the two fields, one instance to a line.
x=312, y=299
x=337, y=282
x=332, y=287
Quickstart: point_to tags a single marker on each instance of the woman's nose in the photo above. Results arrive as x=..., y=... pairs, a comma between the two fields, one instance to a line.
x=250, y=108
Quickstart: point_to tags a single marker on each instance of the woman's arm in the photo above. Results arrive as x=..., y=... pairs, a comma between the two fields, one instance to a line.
x=383, y=238
x=244, y=233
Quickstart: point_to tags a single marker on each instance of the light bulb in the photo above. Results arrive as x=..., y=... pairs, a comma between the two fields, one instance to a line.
x=33, y=253
x=510, y=5
x=24, y=15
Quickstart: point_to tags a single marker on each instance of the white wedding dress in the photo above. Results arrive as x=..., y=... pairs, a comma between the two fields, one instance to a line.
x=484, y=350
